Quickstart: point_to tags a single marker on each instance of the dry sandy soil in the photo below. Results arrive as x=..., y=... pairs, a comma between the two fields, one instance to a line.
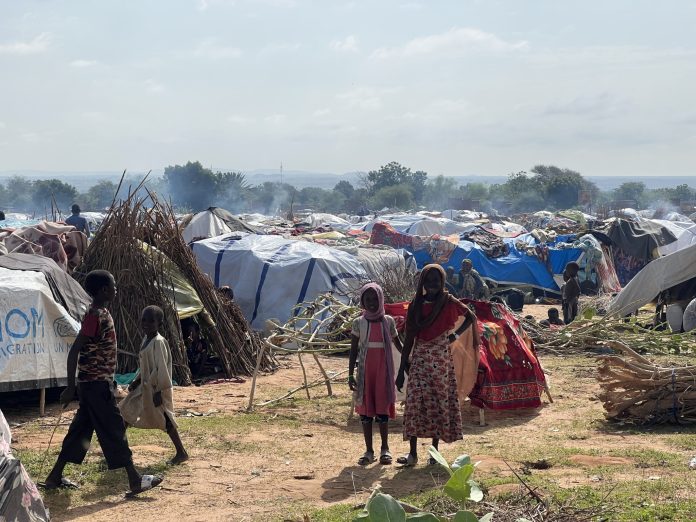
x=295, y=456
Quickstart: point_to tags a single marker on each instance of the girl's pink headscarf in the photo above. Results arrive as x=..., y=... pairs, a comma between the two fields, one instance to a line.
x=378, y=316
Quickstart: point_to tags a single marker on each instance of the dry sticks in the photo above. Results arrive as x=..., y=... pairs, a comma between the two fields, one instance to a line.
x=636, y=390
x=143, y=279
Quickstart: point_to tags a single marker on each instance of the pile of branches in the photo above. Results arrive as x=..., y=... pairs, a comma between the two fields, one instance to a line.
x=398, y=281
x=591, y=333
x=319, y=326
x=142, y=279
x=636, y=390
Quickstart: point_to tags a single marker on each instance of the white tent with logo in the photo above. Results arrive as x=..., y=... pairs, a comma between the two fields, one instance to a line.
x=36, y=332
x=269, y=275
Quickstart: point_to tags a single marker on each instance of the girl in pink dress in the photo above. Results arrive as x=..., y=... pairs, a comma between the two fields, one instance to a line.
x=374, y=392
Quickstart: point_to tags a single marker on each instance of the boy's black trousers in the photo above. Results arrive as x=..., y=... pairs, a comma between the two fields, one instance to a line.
x=97, y=412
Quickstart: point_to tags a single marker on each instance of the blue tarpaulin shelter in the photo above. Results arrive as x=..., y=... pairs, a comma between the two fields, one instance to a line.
x=516, y=268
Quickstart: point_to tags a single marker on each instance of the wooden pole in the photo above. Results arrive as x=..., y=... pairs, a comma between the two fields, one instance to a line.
x=42, y=402
x=304, y=374
x=259, y=357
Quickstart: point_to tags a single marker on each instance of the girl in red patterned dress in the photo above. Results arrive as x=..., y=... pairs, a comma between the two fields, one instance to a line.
x=432, y=406
x=374, y=392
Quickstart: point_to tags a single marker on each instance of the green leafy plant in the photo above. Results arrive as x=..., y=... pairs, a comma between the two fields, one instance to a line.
x=461, y=487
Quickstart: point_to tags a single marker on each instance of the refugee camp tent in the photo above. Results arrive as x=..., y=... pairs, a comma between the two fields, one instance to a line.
x=270, y=274
x=684, y=231
x=213, y=222
x=318, y=219
x=515, y=268
x=419, y=225
x=659, y=275
x=20, y=501
x=36, y=328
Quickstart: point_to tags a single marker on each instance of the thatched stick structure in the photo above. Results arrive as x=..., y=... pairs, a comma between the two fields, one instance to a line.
x=142, y=279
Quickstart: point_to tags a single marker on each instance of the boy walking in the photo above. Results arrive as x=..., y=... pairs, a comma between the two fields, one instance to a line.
x=570, y=292
x=93, y=355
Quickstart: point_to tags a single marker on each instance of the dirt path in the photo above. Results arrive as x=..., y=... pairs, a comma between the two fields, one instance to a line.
x=301, y=454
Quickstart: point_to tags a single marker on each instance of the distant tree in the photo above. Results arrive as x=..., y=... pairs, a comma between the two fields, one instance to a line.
x=396, y=174
x=561, y=187
x=345, y=188
x=475, y=191
x=333, y=202
x=393, y=196
x=49, y=191
x=233, y=190
x=438, y=191
x=273, y=198
x=19, y=193
x=630, y=190
x=357, y=202
x=99, y=196
x=3, y=197
x=191, y=186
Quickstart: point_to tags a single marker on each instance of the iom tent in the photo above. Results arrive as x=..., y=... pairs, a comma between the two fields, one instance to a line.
x=270, y=274
x=36, y=326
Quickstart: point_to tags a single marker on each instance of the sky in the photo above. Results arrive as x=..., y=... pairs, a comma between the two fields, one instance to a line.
x=457, y=87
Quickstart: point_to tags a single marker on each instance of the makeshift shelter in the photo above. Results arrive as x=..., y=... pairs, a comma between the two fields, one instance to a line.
x=635, y=243
x=20, y=501
x=419, y=225
x=661, y=274
x=509, y=374
x=270, y=274
x=517, y=267
x=145, y=276
x=40, y=308
x=213, y=222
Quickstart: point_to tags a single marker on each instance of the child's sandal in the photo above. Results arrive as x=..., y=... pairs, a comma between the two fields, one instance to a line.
x=367, y=458
x=385, y=457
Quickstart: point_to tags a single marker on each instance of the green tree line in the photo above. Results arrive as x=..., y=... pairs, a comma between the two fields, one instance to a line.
x=192, y=187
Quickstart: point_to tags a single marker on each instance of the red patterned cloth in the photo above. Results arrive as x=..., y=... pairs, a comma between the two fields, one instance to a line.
x=432, y=406
x=385, y=234
x=510, y=375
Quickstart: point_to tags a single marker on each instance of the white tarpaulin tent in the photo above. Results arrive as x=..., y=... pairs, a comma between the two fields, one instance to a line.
x=270, y=274
x=685, y=232
x=419, y=225
x=335, y=222
x=35, y=333
x=205, y=224
x=660, y=274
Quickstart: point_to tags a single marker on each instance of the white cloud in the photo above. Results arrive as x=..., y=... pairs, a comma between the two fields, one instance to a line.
x=603, y=105
x=348, y=44
x=38, y=45
x=153, y=86
x=82, y=64
x=211, y=49
x=412, y=6
x=453, y=41
x=362, y=98
x=321, y=112
x=283, y=47
x=238, y=119
x=276, y=119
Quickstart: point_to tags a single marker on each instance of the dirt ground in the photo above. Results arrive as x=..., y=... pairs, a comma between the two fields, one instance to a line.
x=292, y=457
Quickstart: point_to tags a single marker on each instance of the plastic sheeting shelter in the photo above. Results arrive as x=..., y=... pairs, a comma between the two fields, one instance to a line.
x=419, y=225
x=516, y=268
x=35, y=332
x=660, y=274
x=270, y=274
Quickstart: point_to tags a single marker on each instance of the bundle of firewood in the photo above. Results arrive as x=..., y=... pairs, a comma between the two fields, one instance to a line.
x=634, y=389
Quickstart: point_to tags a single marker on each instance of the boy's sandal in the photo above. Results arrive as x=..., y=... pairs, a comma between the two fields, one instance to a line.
x=147, y=482
x=64, y=484
x=407, y=460
x=367, y=458
x=385, y=457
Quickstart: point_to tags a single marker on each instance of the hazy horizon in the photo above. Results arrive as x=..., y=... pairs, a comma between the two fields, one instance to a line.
x=448, y=86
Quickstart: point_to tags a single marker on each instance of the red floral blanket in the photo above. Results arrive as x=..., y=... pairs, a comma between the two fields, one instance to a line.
x=510, y=375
